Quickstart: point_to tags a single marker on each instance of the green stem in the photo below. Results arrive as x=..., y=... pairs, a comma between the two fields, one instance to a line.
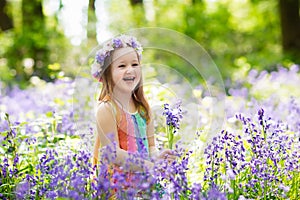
x=170, y=134
x=171, y=139
x=265, y=190
x=172, y=196
x=234, y=189
x=295, y=184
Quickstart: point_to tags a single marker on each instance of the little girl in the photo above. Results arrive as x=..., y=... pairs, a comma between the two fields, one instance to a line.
x=123, y=110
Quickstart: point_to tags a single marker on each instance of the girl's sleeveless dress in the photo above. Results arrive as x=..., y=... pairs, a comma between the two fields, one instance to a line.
x=132, y=132
x=132, y=135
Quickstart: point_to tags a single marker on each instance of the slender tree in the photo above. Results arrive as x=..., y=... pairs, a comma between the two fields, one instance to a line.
x=6, y=22
x=136, y=2
x=33, y=23
x=92, y=5
x=29, y=54
x=138, y=12
x=197, y=1
x=290, y=27
x=91, y=27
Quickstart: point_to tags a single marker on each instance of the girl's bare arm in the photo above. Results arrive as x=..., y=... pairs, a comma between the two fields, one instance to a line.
x=107, y=134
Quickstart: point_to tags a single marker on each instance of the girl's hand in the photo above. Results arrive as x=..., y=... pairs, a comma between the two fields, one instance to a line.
x=163, y=162
x=167, y=155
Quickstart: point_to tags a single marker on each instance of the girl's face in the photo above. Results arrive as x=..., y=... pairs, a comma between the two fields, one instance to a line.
x=125, y=70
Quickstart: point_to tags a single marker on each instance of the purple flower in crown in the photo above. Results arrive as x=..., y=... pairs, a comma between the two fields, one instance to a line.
x=101, y=57
x=134, y=44
x=115, y=43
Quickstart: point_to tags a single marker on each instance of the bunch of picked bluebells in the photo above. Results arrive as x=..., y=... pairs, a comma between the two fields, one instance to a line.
x=113, y=44
x=173, y=118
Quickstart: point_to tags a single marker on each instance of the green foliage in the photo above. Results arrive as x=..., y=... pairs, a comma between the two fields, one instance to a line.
x=21, y=152
x=33, y=44
x=231, y=29
x=227, y=30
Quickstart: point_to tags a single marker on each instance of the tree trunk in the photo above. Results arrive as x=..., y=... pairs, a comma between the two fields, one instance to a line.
x=32, y=13
x=136, y=2
x=92, y=5
x=92, y=20
x=197, y=1
x=138, y=12
x=5, y=21
x=35, y=35
x=290, y=27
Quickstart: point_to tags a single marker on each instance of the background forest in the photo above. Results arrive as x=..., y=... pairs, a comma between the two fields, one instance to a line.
x=36, y=39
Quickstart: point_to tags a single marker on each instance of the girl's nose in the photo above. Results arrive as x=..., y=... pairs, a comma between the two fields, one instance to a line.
x=129, y=69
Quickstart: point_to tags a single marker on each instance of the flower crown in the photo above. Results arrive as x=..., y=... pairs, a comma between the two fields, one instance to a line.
x=115, y=43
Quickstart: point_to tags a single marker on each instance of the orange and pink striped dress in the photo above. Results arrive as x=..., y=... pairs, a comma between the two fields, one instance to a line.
x=132, y=132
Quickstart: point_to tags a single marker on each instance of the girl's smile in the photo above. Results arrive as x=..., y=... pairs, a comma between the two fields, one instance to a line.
x=129, y=79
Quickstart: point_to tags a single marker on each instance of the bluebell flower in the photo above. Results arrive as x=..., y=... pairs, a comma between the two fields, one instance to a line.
x=173, y=118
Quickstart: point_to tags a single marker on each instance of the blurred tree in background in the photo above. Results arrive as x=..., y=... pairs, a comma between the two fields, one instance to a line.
x=239, y=35
x=32, y=46
x=5, y=20
x=290, y=28
x=29, y=54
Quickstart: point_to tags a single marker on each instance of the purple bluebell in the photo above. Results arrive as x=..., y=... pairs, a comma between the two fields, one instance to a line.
x=117, y=43
x=173, y=115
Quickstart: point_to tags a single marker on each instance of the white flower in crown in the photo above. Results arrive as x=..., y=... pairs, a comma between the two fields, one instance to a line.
x=115, y=43
x=107, y=46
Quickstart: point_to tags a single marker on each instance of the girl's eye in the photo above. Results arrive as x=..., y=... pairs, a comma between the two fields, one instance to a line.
x=135, y=64
x=121, y=66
